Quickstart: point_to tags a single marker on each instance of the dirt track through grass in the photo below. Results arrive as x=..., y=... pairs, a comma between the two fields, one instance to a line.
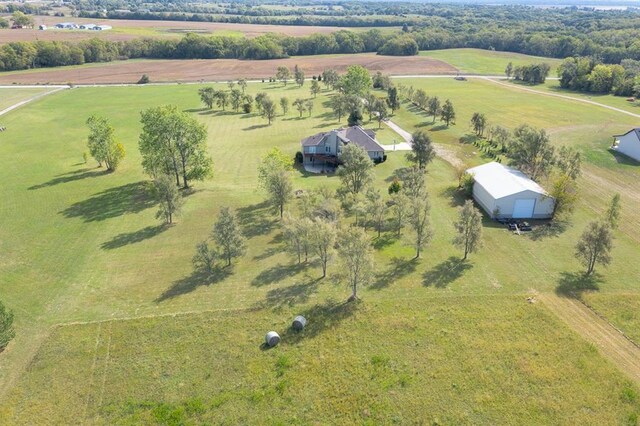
x=611, y=343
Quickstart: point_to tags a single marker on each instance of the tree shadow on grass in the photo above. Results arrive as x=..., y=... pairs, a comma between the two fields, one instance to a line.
x=127, y=238
x=454, y=195
x=320, y=318
x=278, y=273
x=438, y=128
x=446, y=272
x=267, y=253
x=130, y=198
x=384, y=240
x=255, y=127
x=256, y=219
x=398, y=268
x=289, y=296
x=71, y=177
x=554, y=228
x=196, y=279
x=573, y=284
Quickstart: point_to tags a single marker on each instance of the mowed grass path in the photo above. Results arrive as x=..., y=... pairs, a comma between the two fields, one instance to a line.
x=487, y=62
x=79, y=245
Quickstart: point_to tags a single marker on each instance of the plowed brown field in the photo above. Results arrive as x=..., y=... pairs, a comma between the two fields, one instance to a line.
x=222, y=69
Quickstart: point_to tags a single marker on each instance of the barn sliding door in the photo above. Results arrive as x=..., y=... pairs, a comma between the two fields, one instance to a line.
x=523, y=209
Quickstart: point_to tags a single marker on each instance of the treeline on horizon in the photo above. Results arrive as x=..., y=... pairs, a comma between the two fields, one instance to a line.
x=40, y=54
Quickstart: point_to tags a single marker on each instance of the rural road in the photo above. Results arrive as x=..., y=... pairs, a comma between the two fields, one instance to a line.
x=611, y=343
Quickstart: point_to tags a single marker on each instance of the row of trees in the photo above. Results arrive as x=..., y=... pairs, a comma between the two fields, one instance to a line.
x=532, y=73
x=429, y=104
x=589, y=74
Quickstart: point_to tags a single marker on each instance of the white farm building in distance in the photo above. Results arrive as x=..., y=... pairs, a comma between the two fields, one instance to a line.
x=504, y=192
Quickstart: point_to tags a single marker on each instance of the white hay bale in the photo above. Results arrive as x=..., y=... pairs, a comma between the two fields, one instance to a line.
x=299, y=323
x=272, y=338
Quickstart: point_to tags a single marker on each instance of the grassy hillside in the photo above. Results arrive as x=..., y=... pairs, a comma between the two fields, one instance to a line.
x=12, y=96
x=80, y=245
x=479, y=61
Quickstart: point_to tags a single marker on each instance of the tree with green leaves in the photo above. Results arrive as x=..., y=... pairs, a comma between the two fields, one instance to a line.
x=433, y=107
x=565, y=194
x=21, y=19
x=283, y=74
x=231, y=84
x=4, y=23
x=260, y=97
x=330, y=78
x=469, y=229
x=612, y=215
x=205, y=258
x=419, y=223
x=236, y=99
x=447, y=113
x=299, y=105
x=399, y=211
x=393, y=101
x=284, y=104
x=102, y=143
x=508, y=71
x=308, y=106
x=298, y=75
x=228, y=236
x=413, y=182
x=268, y=109
x=323, y=240
x=338, y=105
x=357, y=81
x=222, y=99
x=569, y=162
x=243, y=84
x=531, y=151
x=594, y=246
x=356, y=170
x=478, y=123
x=377, y=210
x=169, y=198
x=355, y=118
x=420, y=99
x=207, y=96
x=370, y=104
x=356, y=254
x=7, y=333
x=297, y=234
x=172, y=142
x=422, y=151
x=280, y=189
x=315, y=88
x=381, y=112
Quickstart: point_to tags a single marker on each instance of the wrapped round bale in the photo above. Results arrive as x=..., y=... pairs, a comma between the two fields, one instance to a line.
x=299, y=322
x=272, y=338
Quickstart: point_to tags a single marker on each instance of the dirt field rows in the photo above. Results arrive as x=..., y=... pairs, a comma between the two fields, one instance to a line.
x=222, y=69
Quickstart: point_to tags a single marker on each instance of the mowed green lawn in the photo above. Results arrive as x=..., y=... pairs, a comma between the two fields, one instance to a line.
x=12, y=96
x=487, y=62
x=78, y=245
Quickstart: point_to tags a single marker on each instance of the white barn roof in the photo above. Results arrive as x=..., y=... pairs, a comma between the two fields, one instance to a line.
x=502, y=181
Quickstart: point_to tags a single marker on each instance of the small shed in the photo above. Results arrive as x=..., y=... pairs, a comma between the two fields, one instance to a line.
x=504, y=192
x=628, y=144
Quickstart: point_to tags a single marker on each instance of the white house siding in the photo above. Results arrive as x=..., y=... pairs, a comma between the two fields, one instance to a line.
x=629, y=145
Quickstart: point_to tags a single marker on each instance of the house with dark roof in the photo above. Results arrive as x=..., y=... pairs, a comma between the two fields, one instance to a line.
x=628, y=144
x=324, y=149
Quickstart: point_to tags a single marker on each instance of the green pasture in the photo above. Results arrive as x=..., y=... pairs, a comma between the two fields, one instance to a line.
x=12, y=96
x=487, y=62
x=80, y=245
